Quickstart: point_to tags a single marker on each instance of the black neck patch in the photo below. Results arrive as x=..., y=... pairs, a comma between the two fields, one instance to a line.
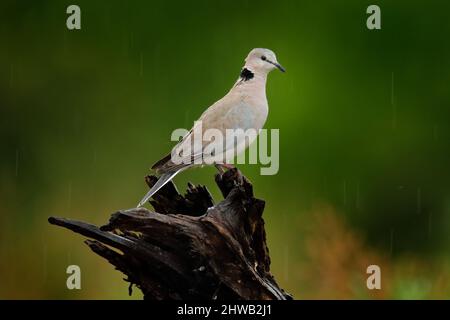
x=246, y=74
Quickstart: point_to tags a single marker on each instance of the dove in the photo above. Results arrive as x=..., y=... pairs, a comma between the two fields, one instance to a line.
x=244, y=107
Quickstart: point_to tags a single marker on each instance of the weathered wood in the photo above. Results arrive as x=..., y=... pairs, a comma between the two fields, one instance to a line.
x=190, y=248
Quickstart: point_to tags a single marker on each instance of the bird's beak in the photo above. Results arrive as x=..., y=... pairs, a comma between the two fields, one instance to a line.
x=279, y=66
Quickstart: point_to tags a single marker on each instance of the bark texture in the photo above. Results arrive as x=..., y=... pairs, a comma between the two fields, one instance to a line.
x=189, y=248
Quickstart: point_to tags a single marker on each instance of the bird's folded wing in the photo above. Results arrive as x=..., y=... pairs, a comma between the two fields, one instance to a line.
x=224, y=114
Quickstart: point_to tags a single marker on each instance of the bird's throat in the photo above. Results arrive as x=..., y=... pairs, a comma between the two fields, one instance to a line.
x=246, y=74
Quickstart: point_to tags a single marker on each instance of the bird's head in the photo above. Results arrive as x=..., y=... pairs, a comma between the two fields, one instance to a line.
x=262, y=60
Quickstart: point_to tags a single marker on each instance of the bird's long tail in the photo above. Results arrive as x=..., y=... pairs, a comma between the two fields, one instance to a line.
x=163, y=179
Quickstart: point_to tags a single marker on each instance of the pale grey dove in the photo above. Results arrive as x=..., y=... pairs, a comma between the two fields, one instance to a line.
x=243, y=107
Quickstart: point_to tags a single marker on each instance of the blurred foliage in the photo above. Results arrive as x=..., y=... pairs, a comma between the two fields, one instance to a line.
x=363, y=118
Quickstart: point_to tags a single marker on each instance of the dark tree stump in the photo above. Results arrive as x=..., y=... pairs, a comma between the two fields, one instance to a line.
x=190, y=248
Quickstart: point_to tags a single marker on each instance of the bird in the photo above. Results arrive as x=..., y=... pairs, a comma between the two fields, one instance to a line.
x=244, y=107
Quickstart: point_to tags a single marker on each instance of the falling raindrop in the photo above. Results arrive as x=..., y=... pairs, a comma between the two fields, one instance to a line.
x=141, y=64
x=17, y=162
x=69, y=200
x=392, y=242
x=429, y=224
x=11, y=77
x=44, y=261
x=345, y=192
x=394, y=107
x=357, y=200
x=435, y=132
x=286, y=247
x=131, y=40
x=65, y=47
x=286, y=263
x=419, y=200
x=186, y=118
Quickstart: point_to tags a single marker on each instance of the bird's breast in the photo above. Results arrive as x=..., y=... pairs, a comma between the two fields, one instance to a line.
x=248, y=115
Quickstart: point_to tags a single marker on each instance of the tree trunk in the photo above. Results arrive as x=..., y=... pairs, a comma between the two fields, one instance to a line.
x=190, y=248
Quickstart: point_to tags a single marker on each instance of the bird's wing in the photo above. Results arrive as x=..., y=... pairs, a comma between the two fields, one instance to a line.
x=227, y=113
x=167, y=165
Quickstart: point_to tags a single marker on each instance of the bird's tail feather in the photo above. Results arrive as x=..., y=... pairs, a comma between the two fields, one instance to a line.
x=163, y=179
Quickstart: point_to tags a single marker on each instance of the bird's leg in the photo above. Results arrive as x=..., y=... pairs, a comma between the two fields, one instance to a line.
x=222, y=167
x=228, y=166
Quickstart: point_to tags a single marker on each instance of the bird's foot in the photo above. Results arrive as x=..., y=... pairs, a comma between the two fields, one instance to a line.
x=223, y=167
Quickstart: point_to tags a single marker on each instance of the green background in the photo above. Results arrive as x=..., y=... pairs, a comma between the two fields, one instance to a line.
x=364, y=134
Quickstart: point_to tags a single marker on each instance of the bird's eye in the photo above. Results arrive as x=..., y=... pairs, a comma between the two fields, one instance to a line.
x=263, y=58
